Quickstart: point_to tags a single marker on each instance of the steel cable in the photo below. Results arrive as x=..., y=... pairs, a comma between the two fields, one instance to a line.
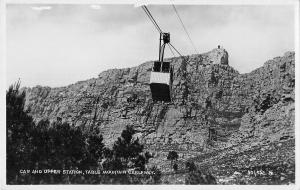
x=184, y=28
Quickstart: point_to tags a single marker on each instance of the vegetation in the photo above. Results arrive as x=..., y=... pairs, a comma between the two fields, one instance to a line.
x=173, y=156
x=35, y=149
x=175, y=167
x=197, y=177
x=127, y=154
x=190, y=166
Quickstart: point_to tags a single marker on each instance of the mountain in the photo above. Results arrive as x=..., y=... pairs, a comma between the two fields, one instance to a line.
x=215, y=112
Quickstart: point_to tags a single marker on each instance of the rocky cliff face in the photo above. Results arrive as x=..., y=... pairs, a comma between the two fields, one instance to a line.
x=213, y=106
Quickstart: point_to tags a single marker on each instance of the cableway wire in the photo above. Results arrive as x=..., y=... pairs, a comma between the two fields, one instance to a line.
x=183, y=57
x=171, y=50
x=160, y=31
x=184, y=28
x=152, y=19
x=176, y=50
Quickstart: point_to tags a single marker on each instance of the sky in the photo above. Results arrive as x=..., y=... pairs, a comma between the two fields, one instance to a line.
x=57, y=45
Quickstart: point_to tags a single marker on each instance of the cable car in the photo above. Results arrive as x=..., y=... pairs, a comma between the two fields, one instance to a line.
x=161, y=76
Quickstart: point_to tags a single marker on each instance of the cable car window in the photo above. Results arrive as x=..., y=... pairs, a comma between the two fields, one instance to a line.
x=156, y=67
x=166, y=67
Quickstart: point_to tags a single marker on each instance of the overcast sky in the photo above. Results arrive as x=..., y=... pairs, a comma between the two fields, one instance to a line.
x=57, y=45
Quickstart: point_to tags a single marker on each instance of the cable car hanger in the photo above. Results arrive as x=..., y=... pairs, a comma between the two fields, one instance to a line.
x=161, y=76
x=144, y=7
x=164, y=38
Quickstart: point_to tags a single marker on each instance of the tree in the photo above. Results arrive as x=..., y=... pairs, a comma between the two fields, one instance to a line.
x=45, y=145
x=128, y=154
x=172, y=156
x=61, y=146
x=18, y=128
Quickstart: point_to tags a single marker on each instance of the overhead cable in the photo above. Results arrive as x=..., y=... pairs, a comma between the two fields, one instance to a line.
x=160, y=31
x=184, y=28
x=151, y=18
x=171, y=50
x=175, y=50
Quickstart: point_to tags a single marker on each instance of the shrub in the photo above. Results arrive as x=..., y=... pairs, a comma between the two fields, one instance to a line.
x=190, y=166
x=175, y=167
x=172, y=156
x=197, y=177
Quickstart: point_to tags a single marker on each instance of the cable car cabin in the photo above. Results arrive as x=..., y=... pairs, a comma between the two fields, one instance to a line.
x=161, y=81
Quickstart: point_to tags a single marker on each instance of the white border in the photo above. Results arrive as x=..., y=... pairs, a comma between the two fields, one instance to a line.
x=139, y=3
x=297, y=97
x=2, y=92
x=158, y=2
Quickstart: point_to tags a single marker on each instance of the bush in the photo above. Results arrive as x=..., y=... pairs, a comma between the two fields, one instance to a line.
x=153, y=179
x=190, y=166
x=175, y=167
x=172, y=156
x=197, y=177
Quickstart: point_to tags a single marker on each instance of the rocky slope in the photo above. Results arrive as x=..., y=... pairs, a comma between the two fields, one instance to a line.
x=213, y=107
